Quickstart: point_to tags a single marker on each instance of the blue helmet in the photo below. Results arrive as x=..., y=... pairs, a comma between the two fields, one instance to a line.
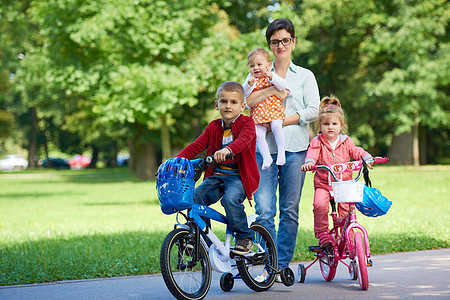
x=176, y=167
x=374, y=204
x=175, y=185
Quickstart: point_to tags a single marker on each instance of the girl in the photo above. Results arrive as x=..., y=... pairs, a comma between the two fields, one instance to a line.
x=329, y=147
x=270, y=110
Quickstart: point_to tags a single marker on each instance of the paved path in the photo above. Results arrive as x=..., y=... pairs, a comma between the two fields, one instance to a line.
x=410, y=275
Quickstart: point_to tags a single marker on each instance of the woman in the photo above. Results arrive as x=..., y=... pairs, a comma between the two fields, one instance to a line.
x=302, y=107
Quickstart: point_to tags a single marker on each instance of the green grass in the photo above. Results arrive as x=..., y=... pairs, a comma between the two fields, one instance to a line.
x=61, y=225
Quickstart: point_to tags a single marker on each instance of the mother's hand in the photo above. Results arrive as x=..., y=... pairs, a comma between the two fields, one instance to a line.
x=258, y=96
x=282, y=95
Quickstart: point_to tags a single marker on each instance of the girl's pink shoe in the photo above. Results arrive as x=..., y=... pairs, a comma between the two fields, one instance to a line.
x=324, y=240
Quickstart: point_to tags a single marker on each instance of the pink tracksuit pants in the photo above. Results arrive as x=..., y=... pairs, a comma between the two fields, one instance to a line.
x=321, y=209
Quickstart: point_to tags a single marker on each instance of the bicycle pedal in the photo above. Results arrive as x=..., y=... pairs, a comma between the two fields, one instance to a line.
x=369, y=263
x=315, y=249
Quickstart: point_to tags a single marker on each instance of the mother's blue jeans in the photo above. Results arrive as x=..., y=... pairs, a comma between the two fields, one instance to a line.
x=290, y=179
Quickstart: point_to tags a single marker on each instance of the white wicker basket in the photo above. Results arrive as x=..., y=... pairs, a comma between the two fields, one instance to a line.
x=348, y=191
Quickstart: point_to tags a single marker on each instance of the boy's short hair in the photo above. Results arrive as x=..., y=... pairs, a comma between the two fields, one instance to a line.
x=230, y=86
x=280, y=24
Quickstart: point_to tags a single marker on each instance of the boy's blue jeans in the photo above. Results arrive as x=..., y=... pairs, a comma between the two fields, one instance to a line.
x=231, y=190
x=290, y=179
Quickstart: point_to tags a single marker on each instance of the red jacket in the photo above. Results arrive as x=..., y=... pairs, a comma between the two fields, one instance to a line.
x=243, y=146
x=320, y=152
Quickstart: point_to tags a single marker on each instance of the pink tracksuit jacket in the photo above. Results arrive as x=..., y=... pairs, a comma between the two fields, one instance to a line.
x=320, y=152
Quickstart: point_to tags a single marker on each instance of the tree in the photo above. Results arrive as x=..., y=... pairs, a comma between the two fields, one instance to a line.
x=383, y=59
x=17, y=34
x=132, y=63
x=406, y=57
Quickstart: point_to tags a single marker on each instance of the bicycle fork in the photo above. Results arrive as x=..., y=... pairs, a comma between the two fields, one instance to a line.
x=349, y=236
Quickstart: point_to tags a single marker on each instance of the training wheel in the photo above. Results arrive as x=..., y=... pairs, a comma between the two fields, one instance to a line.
x=352, y=270
x=301, y=273
x=287, y=276
x=226, y=282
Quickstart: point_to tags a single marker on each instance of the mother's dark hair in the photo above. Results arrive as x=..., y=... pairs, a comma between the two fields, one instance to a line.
x=280, y=24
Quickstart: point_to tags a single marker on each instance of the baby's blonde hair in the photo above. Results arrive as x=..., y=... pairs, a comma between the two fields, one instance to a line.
x=259, y=51
x=331, y=106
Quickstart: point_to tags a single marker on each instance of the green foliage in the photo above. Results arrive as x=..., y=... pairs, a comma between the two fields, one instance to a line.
x=382, y=59
x=17, y=35
x=97, y=70
x=6, y=122
x=134, y=58
x=113, y=65
x=405, y=55
x=249, y=16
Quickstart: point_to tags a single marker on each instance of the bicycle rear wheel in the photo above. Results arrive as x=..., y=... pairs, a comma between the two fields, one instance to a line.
x=185, y=277
x=363, y=276
x=327, y=264
x=258, y=267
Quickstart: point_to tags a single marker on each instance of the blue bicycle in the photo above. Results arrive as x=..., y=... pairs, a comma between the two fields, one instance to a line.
x=190, y=251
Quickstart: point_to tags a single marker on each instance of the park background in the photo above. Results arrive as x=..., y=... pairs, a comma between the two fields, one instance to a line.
x=139, y=77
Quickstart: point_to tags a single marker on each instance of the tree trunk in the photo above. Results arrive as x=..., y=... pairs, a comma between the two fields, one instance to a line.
x=423, y=145
x=44, y=142
x=145, y=161
x=94, y=159
x=116, y=154
x=32, y=147
x=144, y=157
x=132, y=161
x=400, y=151
x=415, y=146
x=165, y=139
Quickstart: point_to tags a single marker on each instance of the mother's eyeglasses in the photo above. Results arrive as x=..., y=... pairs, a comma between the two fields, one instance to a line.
x=285, y=42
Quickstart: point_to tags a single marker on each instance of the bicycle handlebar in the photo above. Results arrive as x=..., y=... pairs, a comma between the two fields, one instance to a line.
x=210, y=158
x=380, y=160
x=349, y=167
x=200, y=165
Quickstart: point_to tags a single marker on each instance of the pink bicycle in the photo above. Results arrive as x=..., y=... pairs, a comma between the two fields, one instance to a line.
x=346, y=241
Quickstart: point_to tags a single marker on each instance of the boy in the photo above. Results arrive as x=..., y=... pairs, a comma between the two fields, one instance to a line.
x=232, y=180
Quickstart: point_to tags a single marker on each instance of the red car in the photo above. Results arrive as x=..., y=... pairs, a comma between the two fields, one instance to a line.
x=79, y=161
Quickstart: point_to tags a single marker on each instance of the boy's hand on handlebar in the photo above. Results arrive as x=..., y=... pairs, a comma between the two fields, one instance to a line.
x=221, y=155
x=307, y=166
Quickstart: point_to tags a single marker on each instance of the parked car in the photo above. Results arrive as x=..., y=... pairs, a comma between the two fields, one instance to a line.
x=55, y=163
x=79, y=161
x=122, y=160
x=13, y=162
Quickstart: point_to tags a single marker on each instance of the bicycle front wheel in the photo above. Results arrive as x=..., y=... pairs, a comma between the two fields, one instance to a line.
x=257, y=268
x=185, y=276
x=363, y=276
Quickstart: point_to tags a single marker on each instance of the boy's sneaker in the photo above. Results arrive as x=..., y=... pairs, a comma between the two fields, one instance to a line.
x=278, y=279
x=262, y=277
x=243, y=246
